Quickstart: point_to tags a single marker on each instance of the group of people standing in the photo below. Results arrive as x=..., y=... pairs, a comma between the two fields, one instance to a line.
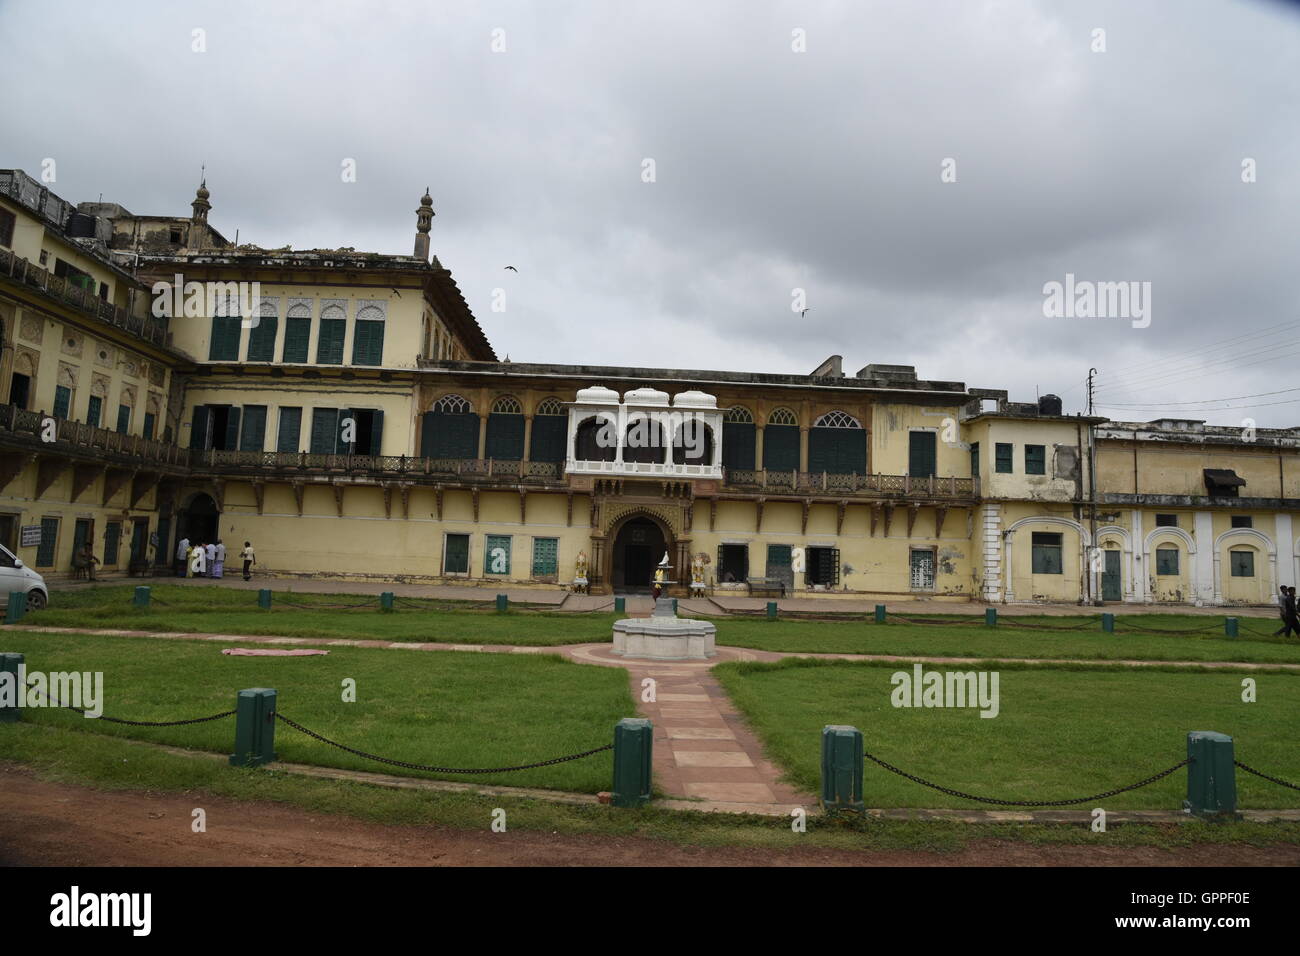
x=1287, y=608
x=208, y=560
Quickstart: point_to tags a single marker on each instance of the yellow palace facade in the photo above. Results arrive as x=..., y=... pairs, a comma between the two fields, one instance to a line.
x=357, y=425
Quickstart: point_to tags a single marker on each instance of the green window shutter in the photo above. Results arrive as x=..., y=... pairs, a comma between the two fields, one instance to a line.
x=93, y=410
x=376, y=434
x=324, y=430
x=199, y=427
x=1035, y=459
x=112, y=538
x=124, y=418
x=1243, y=563
x=232, y=429
x=549, y=432
x=1166, y=560
x=149, y=422
x=975, y=459
x=297, y=338
x=329, y=347
x=347, y=423
x=781, y=448
x=62, y=401
x=505, y=437
x=837, y=451
x=921, y=454
x=223, y=345
x=457, y=554
x=450, y=436
x=139, y=538
x=496, y=557
x=546, y=557
x=368, y=342
x=261, y=339
x=49, y=538
x=1046, y=553
x=290, y=430
x=253, y=435
x=1002, y=462
x=738, y=445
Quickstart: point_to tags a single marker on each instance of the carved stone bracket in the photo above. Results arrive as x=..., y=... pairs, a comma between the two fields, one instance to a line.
x=12, y=465
x=940, y=513
x=437, y=500
x=839, y=515
x=569, y=520
x=713, y=512
x=338, y=496
x=83, y=476
x=405, y=490
x=758, y=522
x=298, y=489
x=219, y=493
x=912, y=511
x=803, y=524
x=388, y=499
x=523, y=506
x=259, y=494
x=114, y=481
x=876, y=508
x=48, y=472
x=889, y=516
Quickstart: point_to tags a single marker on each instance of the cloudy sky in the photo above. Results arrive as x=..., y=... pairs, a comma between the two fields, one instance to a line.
x=774, y=169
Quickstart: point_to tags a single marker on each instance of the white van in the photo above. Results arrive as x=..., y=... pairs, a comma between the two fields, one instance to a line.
x=16, y=576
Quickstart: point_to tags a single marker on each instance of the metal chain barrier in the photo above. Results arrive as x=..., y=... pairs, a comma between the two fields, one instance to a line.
x=1028, y=803
x=417, y=766
x=1264, y=776
x=139, y=723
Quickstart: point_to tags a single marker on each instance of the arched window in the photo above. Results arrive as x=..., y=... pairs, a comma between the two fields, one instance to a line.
x=738, y=439
x=368, y=335
x=781, y=441
x=549, y=426
x=261, y=339
x=593, y=441
x=693, y=443
x=644, y=441
x=449, y=429
x=505, y=430
x=837, y=444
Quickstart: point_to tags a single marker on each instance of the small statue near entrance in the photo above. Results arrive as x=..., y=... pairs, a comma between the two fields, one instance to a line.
x=661, y=576
x=698, y=584
x=580, y=585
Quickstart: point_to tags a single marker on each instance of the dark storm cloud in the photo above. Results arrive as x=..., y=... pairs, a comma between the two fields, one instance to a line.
x=775, y=170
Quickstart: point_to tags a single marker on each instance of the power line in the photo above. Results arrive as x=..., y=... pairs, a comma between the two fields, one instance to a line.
x=1205, y=401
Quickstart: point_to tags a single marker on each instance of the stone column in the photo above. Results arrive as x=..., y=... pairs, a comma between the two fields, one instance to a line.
x=528, y=437
x=1205, y=577
x=803, y=448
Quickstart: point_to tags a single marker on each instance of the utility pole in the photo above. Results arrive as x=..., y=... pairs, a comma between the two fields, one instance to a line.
x=1092, y=489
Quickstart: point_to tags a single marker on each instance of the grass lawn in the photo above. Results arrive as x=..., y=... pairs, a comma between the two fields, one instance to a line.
x=120, y=764
x=1187, y=638
x=1060, y=733
x=448, y=709
x=234, y=611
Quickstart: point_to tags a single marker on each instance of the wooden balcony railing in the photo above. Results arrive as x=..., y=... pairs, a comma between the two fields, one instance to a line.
x=821, y=482
x=20, y=270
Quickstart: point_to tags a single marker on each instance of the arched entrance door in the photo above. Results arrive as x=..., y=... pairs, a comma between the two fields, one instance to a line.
x=198, y=520
x=638, y=548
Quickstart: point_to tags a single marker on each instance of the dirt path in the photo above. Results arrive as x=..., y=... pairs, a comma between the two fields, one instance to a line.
x=44, y=824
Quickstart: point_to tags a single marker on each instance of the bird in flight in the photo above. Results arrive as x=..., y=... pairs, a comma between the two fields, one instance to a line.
x=804, y=312
x=512, y=268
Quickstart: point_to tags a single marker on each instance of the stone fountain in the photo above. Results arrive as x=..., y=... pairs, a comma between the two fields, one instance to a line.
x=664, y=636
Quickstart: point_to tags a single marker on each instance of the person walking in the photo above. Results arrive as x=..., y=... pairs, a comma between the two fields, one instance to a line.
x=1289, y=621
x=219, y=566
x=248, y=559
x=210, y=562
x=198, y=560
x=182, y=556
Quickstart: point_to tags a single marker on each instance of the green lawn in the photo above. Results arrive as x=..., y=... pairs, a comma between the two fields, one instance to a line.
x=1060, y=733
x=220, y=609
x=448, y=709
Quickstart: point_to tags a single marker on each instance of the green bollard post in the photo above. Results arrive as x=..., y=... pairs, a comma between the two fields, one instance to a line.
x=674, y=605
x=503, y=602
x=990, y=617
x=1108, y=623
x=1211, y=776
x=633, y=740
x=620, y=605
x=254, y=728
x=386, y=601
x=842, y=768
x=1230, y=626
x=141, y=598
x=10, y=664
x=16, y=607
x=880, y=614
x=771, y=610
x=264, y=598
